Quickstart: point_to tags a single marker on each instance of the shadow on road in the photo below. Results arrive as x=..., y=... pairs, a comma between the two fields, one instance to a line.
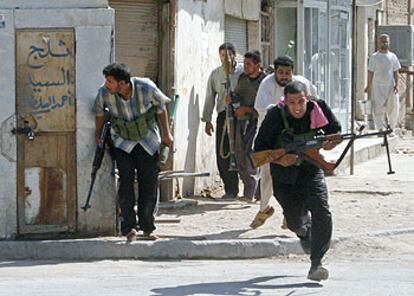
x=248, y=287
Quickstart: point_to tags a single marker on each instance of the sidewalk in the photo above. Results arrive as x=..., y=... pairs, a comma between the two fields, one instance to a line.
x=216, y=229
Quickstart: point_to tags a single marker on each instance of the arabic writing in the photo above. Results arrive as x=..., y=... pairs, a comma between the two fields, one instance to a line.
x=65, y=80
x=42, y=104
x=49, y=80
x=38, y=55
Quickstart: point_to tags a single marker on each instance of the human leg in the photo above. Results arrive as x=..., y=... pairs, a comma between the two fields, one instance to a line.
x=126, y=169
x=266, y=190
x=294, y=209
x=147, y=172
x=379, y=96
x=230, y=179
x=392, y=109
x=244, y=135
x=316, y=195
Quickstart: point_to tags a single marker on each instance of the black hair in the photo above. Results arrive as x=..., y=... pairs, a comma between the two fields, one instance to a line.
x=283, y=61
x=228, y=46
x=254, y=55
x=119, y=71
x=294, y=87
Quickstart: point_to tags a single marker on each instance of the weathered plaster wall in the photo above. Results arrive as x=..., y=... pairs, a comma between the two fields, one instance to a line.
x=200, y=31
x=93, y=27
x=8, y=219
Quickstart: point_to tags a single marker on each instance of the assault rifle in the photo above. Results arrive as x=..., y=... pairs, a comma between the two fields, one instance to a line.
x=229, y=113
x=308, y=150
x=104, y=139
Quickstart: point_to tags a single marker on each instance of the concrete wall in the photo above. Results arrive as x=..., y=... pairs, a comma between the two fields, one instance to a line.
x=362, y=61
x=8, y=187
x=397, y=12
x=93, y=27
x=199, y=33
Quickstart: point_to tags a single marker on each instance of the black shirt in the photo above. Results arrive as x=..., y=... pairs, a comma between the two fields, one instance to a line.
x=272, y=127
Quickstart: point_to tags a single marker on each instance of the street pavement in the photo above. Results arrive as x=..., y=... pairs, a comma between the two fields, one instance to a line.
x=265, y=277
x=369, y=203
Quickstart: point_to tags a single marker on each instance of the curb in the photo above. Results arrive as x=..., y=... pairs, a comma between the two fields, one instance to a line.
x=114, y=248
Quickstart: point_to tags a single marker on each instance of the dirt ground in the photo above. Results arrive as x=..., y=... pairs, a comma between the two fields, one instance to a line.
x=368, y=201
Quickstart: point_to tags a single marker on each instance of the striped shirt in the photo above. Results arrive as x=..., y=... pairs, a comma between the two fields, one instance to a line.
x=149, y=95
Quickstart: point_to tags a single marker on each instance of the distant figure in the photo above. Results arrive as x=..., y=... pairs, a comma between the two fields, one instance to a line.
x=382, y=87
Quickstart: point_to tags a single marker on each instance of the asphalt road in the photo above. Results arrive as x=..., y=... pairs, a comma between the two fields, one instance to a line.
x=390, y=275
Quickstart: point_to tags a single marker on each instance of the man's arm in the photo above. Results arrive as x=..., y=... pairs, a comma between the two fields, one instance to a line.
x=369, y=82
x=268, y=131
x=396, y=81
x=99, y=123
x=166, y=137
x=210, y=99
x=209, y=104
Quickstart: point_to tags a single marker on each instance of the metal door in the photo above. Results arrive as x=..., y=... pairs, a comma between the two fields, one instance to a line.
x=137, y=37
x=235, y=31
x=45, y=104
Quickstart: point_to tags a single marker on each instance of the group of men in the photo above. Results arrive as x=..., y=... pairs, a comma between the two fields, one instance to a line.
x=268, y=110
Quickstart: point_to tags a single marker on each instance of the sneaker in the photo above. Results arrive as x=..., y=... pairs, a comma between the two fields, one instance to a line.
x=261, y=217
x=149, y=236
x=131, y=236
x=318, y=273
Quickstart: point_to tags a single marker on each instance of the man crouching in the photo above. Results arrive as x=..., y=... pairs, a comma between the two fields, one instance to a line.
x=298, y=185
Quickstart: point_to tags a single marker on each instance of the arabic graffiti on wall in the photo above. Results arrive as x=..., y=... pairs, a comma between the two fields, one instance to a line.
x=46, y=80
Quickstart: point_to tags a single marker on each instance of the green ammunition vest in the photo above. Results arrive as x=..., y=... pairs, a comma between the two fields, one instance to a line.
x=137, y=129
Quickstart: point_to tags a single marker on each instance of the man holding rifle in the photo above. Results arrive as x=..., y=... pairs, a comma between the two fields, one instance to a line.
x=246, y=122
x=298, y=185
x=135, y=106
x=215, y=96
x=270, y=92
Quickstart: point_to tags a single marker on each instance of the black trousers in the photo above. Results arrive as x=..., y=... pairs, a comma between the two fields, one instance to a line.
x=297, y=200
x=230, y=179
x=147, y=175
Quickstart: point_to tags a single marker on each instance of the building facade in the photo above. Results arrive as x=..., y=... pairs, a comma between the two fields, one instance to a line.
x=49, y=75
x=320, y=32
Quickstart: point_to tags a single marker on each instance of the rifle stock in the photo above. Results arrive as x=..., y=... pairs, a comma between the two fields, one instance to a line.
x=266, y=156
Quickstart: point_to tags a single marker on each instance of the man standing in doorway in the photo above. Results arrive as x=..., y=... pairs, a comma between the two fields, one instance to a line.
x=215, y=96
x=134, y=105
x=270, y=93
x=382, y=86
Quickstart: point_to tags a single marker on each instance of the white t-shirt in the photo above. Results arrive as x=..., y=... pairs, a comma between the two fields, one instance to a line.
x=383, y=65
x=270, y=93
